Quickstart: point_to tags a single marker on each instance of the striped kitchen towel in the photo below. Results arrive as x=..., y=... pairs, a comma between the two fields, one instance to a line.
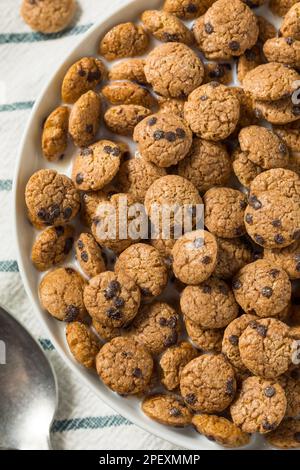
x=27, y=60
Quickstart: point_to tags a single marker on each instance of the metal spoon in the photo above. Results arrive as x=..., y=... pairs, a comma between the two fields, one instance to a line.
x=28, y=389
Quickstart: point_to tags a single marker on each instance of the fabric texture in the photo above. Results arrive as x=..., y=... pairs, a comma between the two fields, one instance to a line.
x=27, y=60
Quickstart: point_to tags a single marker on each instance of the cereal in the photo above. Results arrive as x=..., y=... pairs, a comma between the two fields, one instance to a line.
x=286, y=436
x=283, y=50
x=220, y=430
x=85, y=119
x=244, y=169
x=284, y=181
x=251, y=59
x=48, y=16
x=219, y=72
x=52, y=246
x=125, y=92
x=82, y=343
x=130, y=69
x=233, y=255
x=266, y=29
x=172, y=361
x=204, y=339
x=287, y=259
x=278, y=112
x=89, y=255
x=290, y=27
x=166, y=27
x=281, y=7
x=187, y=9
x=167, y=409
x=124, y=118
x=55, y=134
x=290, y=135
x=124, y=40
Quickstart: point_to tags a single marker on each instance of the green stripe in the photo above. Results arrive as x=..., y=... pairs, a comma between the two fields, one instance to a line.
x=93, y=422
x=46, y=344
x=19, y=106
x=9, y=266
x=5, y=185
x=16, y=38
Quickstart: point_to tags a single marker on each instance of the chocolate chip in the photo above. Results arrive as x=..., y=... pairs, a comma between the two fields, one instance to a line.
x=68, y=245
x=236, y=284
x=172, y=322
x=243, y=204
x=234, y=340
x=80, y=244
x=86, y=151
x=113, y=313
x=172, y=339
x=279, y=239
x=108, y=149
x=191, y=8
x=254, y=202
x=79, y=178
x=119, y=302
x=274, y=273
x=92, y=76
x=109, y=293
x=54, y=212
x=81, y=72
x=190, y=398
x=250, y=55
x=59, y=230
x=115, y=285
x=208, y=27
x=162, y=321
x=42, y=214
x=296, y=235
x=169, y=37
x=289, y=41
x=249, y=219
x=276, y=223
x=239, y=231
x=268, y=426
x=267, y=292
x=67, y=213
x=223, y=289
x=89, y=128
x=230, y=387
x=137, y=372
x=181, y=134
x=259, y=239
x=297, y=436
x=158, y=135
x=283, y=148
x=234, y=46
x=170, y=136
x=203, y=97
x=70, y=271
x=145, y=292
x=72, y=313
x=296, y=110
x=211, y=438
x=198, y=242
x=152, y=121
x=218, y=72
x=261, y=329
x=175, y=412
x=84, y=256
x=206, y=260
x=270, y=392
x=214, y=84
x=206, y=289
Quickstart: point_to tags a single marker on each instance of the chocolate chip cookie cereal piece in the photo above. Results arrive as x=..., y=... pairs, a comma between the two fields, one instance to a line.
x=210, y=305
x=174, y=70
x=270, y=82
x=266, y=347
x=231, y=338
x=115, y=225
x=125, y=366
x=272, y=220
x=107, y=333
x=55, y=134
x=224, y=212
x=260, y=405
x=244, y=169
x=90, y=201
x=226, y=30
x=52, y=246
x=171, y=106
x=145, y=266
x=208, y=384
x=83, y=344
x=172, y=191
x=164, y=246
x=122, y=119
x=290, y=135
x=95, y=166
x=287, y=258
x=281, y=7
x=61, y=294
x=89, y=255
x=86, y=74
x=263, y=147
x=286, y=436
x=167, y=410
x=163, y=139
x=283, y=50
x=262, y=289
x=166, y=27
x=156, y=326
x=247, y=111
x=278, y=112
x=112, y=299
x=48, y=16
x=172, y=361
x=266, y=29
x=195, y=257
x=51, y=199
x=290, y=26
x=207, y=164
x=249, y=61
x=130, y=69
x=85, y=119
x=220, y=430
x=187, y=9
x=125, y=92
x=291, y=386
x=204, y=339
x=136, y=176
x=284, y=181
x=124, y=40
x=212, y=111
x=233, y=255
x=219, y=72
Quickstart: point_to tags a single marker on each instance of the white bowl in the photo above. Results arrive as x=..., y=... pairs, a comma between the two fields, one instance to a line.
x=29, y=160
